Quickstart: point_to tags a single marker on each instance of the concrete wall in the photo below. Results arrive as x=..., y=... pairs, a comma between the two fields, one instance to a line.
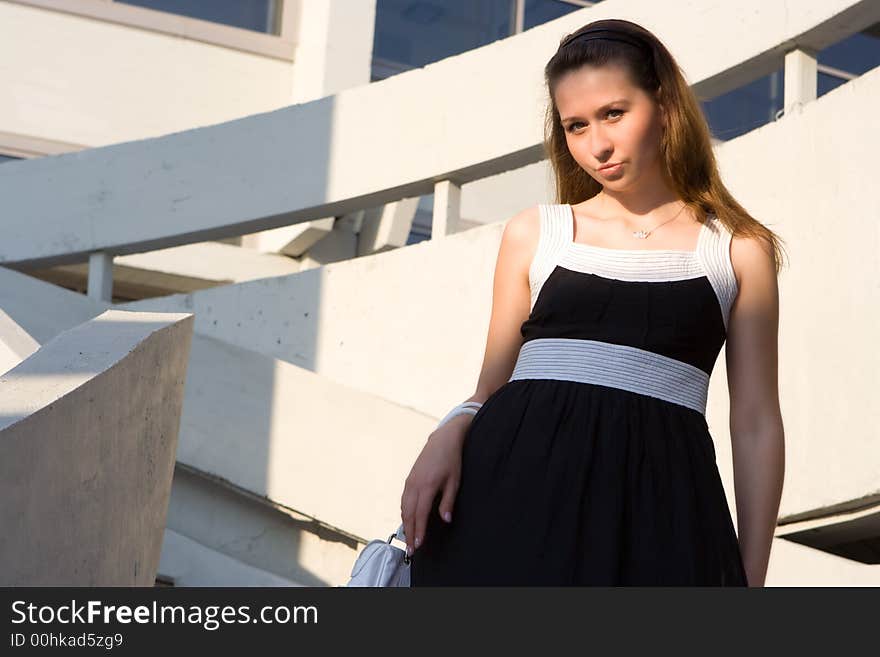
x=43, y=311
x=812, y=192
x=241, y=528
x=88, y=433
x=92, y=82
x=187, y=562
x=276, y=430
x=95, y=83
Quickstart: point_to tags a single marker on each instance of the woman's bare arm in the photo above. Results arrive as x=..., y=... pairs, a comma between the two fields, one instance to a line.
x=756, y=427
x=510, y=302
x=438, y=466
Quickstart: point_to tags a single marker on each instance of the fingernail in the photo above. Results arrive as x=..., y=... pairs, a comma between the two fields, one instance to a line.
x=417, y=541
x=409, y=551
x=447, y=516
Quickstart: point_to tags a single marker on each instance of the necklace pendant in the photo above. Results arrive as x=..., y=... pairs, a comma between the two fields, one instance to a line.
x=641, y=234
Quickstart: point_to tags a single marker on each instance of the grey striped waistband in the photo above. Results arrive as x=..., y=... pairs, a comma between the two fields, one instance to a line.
x=618, y=366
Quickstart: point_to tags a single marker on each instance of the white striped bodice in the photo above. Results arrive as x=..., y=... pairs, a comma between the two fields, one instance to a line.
x=556, y=246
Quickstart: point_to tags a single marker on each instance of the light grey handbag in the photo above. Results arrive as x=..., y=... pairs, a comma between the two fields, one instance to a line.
x=382, y=563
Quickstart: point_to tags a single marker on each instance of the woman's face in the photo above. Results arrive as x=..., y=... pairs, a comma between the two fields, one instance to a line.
x=608, y=120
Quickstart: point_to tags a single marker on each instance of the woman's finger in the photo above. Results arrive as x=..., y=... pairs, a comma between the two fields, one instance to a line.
x=411, y=498
x=423, y=508
x=448, y=501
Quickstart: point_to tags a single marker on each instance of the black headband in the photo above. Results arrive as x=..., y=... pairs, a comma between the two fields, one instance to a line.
x=610, y=35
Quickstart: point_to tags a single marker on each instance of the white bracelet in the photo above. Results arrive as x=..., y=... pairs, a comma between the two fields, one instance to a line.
x=469, y=407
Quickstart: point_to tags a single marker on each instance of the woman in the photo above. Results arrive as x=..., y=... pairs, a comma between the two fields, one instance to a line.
x=588, y=460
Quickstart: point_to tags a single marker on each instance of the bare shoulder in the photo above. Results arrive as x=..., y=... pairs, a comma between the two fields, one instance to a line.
x=752, y=259
x=521, y=233
x=524, y=225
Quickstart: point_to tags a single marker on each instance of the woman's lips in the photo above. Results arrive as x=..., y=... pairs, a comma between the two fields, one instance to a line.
x=610, y=171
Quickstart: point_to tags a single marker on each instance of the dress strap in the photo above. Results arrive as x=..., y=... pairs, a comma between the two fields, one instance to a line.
x=556, y=232
x=713, y=250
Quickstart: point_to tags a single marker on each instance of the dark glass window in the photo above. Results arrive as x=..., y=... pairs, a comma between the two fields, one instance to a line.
x=760, y=101
x=741, y=110
x=853, y=56
x=257, y=15
x=538, y=12
x=856, y=54
x=412, y=33
x=422, y=221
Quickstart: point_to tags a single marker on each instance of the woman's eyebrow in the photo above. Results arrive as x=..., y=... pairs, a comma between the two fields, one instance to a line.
x=600, y=110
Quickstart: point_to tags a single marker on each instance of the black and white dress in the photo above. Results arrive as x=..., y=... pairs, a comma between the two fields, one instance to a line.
x=593, y=464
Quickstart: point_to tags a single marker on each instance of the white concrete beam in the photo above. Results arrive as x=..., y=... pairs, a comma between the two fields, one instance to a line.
x=177, y=269
x=100, y=285
x=801, y=79
x=447, y=209
x=386, y=227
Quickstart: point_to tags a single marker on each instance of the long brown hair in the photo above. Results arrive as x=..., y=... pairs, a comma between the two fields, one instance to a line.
x=686, y=146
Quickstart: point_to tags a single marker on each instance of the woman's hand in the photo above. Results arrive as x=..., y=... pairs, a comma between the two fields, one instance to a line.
x=437, y=467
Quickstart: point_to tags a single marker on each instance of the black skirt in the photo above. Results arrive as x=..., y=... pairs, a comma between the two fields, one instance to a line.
x=569, y=483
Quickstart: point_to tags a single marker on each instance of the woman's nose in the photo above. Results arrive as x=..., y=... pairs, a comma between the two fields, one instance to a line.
x=600, y=147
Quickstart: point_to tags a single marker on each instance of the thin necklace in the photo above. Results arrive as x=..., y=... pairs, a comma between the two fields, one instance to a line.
x=643, y=234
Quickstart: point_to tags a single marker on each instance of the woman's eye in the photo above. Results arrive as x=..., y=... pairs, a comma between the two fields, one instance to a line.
x=573, y=124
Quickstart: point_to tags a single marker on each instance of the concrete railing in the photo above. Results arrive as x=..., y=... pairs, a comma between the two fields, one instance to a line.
x=88, y=436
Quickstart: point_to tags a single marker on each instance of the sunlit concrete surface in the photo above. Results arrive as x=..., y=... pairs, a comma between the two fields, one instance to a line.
x=88, y=434
x=158, y=83
x=16, y=344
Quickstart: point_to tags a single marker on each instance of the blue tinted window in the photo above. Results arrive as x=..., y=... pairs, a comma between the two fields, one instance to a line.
x=741, y=110
x=258, y=15
x=543, y=11
x=412, y=33
x=854, y=55
x=422, y=221
x=757, y=103
x=826, y=83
